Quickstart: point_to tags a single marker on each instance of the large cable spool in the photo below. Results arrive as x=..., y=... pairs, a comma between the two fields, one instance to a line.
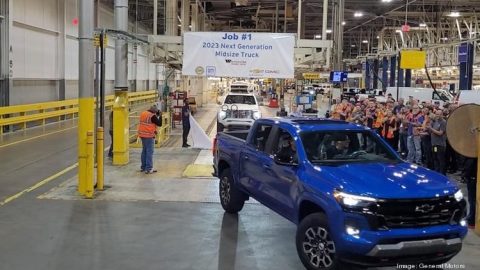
x=463, y=127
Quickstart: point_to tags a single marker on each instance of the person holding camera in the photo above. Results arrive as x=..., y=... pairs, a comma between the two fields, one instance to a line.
x=147, y=130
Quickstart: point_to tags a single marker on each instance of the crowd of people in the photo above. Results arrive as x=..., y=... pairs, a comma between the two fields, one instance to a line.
x=416, y=130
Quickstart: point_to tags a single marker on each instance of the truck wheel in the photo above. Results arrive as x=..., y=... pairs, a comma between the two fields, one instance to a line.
x=231, y=198
x=315, y=246
x=220, y=127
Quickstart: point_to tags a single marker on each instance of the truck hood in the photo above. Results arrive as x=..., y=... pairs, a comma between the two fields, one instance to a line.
x=388, y=181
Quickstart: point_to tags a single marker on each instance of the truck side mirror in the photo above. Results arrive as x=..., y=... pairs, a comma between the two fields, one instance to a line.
x=279, y=161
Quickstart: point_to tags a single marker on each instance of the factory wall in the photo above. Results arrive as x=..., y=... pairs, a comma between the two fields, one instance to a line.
x=45, y=52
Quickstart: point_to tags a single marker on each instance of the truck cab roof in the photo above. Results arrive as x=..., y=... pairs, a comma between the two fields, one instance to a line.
x=297, y=124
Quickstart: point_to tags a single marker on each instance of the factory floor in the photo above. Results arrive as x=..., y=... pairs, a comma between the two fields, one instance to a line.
x=168, y=220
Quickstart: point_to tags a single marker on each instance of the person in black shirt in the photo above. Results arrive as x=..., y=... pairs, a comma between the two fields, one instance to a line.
x=470, y=175
x=288, y=150
x=185, y=122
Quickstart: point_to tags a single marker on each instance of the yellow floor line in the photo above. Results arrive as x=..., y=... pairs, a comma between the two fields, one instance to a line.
x=35, y=137
x=43, y=182
x=39, y=184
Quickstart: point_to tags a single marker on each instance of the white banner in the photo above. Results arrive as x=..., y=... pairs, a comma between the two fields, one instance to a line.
x=244, y=55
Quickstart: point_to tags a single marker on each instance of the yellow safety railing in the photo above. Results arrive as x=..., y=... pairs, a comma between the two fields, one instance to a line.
x=163, y=132
x=21, y=115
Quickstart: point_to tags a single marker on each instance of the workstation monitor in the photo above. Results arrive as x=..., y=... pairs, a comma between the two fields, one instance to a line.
x=338, y=76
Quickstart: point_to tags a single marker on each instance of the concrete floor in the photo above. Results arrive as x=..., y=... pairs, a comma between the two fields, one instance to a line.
x=159, y=221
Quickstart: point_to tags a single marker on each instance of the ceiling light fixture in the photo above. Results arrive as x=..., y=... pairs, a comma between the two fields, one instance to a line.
x=386, y=1
x=423, y=25
x=329, y=31
x=318, y=36
x=343, y=23
x=365, y=41
x=454, y=14
x=358, y=14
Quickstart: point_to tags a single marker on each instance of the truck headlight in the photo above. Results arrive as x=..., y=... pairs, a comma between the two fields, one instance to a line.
x=353, y=201
x=257, y=115
x=222, y=115
x=458, y=195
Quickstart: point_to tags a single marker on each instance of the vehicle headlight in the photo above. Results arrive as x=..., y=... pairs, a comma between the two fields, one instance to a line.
x=222, y=115
x=353, y=201
x=458, y=195
x=257, y=115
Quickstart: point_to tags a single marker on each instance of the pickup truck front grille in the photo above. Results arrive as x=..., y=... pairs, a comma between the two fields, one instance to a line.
x=391, y=214
x=238, y=114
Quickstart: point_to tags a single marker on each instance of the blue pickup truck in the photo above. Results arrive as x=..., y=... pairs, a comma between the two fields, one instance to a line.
x=353, y=199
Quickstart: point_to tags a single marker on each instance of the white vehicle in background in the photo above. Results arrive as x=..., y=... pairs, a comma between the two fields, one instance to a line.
x=468, y=97
x=377, y=94
x=238, y=112
x=241, y=87
x=421, y=94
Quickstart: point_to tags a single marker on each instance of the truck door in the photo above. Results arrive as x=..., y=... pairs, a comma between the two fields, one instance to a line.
x=252, y=158
x=279, y=174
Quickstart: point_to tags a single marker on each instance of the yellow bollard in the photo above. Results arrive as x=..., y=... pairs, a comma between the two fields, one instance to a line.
x=121, y=138
x=85, y=124
x=100, y=154
x=90, y=165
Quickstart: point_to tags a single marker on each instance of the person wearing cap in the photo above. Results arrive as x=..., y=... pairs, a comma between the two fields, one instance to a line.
x=147, y=130
x=185, y=122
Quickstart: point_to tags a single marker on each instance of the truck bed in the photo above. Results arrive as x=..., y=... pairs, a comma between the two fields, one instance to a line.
x=238, y=134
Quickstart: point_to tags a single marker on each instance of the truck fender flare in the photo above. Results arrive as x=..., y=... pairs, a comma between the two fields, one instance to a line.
x=319, y=200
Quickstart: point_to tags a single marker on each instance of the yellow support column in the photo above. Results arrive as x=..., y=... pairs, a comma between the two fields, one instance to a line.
x=90, y=164
x=85, y=124
x=120, y=128
x=100, y=158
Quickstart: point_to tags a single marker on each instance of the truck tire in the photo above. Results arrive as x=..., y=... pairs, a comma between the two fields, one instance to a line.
x=231, y=198
x=315, y=246
x=220, y=127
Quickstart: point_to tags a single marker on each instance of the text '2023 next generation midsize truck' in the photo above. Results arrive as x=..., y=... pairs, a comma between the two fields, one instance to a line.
x=353, y=199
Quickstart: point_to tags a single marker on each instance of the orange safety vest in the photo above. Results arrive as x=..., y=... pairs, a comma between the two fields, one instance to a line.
x=146, y=129
x=380, y=116
x=388, y=134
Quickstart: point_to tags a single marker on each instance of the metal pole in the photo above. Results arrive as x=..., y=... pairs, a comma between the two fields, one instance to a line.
x=155, y=17
x=299, y=29
x=120, y=105
x=324, y=32
x=276, y=17
x=341, y=10
x=325, y=20
x=121, y=46
x=102, y=79
x=285, y=18
x=86, y=99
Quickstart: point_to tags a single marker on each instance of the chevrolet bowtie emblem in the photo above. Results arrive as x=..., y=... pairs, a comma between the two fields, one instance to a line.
x=425, y=208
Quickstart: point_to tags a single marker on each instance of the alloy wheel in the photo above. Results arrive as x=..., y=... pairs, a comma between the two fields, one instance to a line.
x=225, y=190
x=318, y=247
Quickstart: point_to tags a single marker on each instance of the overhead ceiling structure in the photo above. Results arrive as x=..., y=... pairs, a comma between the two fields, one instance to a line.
x=365, y=20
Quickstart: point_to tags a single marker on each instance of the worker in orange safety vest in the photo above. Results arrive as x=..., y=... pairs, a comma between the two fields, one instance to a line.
x=147, y=130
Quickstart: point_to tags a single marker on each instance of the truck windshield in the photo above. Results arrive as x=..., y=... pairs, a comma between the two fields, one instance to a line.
x=340, y=147
x=238, y=99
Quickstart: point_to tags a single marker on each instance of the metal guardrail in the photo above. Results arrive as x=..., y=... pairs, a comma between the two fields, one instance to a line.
x=21, y=115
